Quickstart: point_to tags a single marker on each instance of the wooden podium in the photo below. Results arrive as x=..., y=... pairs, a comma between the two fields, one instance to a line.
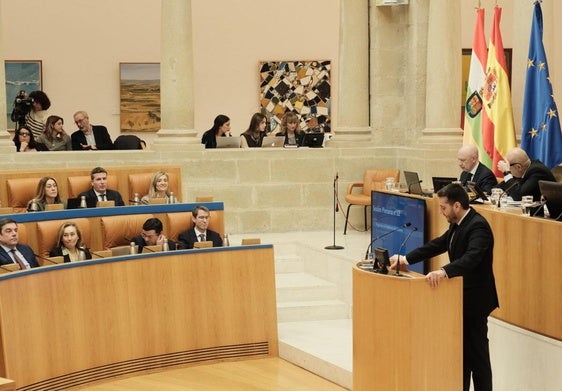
x=406, y=335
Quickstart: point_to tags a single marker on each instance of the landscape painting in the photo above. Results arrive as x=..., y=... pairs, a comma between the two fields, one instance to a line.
x=20, y=76
x=140, y=97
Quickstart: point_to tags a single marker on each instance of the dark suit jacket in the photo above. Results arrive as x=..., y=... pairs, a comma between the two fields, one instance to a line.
x=483, y=177
x=471, y=256
x=101, y=135
x=529, y=183
x=110, y=195
x=187, y=238
x=57, y=252
x=139, y=241
x=25, y=250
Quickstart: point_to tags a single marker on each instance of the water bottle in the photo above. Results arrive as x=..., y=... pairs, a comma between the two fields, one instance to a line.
x=172, y=200
x=133, y=248
x=81, y=254
x=33, y=207
x=226, y=241
x=136, y=200
x=165, y=245
x=83, y=202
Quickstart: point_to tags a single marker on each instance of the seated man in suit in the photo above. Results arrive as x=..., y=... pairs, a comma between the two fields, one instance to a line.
x=152, y=235
x=99, y=190
x=10, y=250
x=89, y=137
x=199, y=233
x=521, y=176
x=473, y=170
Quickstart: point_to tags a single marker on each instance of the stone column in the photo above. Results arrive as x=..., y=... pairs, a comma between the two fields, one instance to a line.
x=353, y=97
x=6, y=144
x=443, y=88
x=176, y=79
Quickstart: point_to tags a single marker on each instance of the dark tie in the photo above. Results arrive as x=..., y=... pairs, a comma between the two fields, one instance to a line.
x=468, y=177
x=201, y=237
x=102, y=197
x=19, y=261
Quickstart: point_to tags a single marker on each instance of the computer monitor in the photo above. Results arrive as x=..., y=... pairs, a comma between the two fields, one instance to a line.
x=312, y=140
x=552, y=193
x=440, y=182
x=477, y=191
x=392, y=211
x=414, y=184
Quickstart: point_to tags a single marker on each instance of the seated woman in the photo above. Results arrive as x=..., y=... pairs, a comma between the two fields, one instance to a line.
x=70, y=245
x=54, y=137
x=25, y=142
x=253, y=136
x=159, y=188
x=290, y=129
x=47, y=193
x=221, y=128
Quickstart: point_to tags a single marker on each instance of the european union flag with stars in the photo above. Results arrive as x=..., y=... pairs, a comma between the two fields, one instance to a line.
x=541, y=137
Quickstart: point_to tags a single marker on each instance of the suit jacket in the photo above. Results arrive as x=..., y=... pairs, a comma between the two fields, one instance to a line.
x=101, y=135
x=483, y=177
x=25, y=250
x=529, y=183
x=471, y=256
x=110, y=195
x=139, y=241
x=187, y=238
x=57, y=252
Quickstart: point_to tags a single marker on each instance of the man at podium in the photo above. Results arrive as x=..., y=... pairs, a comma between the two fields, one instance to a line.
x=470, y=244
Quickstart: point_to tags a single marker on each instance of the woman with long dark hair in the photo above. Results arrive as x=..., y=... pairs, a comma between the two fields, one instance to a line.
x=221, y=128
x=25, y=142
x=253, y=136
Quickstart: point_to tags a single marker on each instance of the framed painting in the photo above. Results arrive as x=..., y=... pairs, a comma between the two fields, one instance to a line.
x=302, y=87
x=22, y=77
x=139, y=97
x=465, y=65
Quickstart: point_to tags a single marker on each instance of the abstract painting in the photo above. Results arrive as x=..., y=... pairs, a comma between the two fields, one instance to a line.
x=140, y=97
x=302, y=87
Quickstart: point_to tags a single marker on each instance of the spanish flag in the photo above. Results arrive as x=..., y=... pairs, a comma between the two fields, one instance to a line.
x=476, y=78
x=498, y=131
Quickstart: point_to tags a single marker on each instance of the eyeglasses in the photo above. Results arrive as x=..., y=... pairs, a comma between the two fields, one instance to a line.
x=25, y=134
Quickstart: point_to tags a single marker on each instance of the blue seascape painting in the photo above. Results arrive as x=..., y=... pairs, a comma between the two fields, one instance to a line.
x=20, y=75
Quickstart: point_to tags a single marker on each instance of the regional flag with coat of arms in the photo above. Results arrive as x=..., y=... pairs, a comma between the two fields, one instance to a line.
x=541, y=137
x=498, y=130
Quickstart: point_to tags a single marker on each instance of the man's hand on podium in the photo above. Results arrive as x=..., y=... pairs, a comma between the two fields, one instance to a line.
x=434, y=277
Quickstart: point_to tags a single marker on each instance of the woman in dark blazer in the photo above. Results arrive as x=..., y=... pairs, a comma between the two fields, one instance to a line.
x=70, y=245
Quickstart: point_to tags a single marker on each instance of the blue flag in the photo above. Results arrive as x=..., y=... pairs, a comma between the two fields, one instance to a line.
x=540, y=135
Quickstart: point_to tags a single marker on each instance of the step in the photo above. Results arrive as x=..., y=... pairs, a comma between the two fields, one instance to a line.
x=303, y=287
x=312, y=310
x=288, y=264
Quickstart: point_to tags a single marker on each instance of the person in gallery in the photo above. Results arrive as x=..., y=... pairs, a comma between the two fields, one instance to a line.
x=25, y=142
x=54, y=137
x=221, y=128
x=89, y=137
x=47, y=193
x=291, y=130
x=159, y=188
x=99, y=190
x=253, y=136
x=200, y=231
x=36, y=119
x=70, y=245
x=469, y=242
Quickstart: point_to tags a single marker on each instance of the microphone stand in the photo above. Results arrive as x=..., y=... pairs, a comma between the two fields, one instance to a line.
x=334, y=246
x=397, y=274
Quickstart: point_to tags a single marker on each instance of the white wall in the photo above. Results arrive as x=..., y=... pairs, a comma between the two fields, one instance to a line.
x=81, y=43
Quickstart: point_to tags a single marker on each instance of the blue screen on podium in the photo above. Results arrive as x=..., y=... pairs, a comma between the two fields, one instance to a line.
x=391, y=211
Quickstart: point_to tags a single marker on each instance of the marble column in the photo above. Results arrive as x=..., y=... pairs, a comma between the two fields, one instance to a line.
x=6, y=144
x=353, y=97
x=443, y=86
x=176, y=79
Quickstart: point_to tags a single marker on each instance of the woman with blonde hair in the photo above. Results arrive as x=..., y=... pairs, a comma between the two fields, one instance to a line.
x=47, y=193
x=290, y=129
x=54, y=137
x=159, y=188
x=70, y=245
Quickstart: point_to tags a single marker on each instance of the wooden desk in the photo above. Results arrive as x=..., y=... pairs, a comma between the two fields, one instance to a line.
x=406, y=335
x=69, y=324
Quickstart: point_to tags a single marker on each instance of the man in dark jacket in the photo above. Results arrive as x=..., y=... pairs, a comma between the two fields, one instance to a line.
x=10, y=251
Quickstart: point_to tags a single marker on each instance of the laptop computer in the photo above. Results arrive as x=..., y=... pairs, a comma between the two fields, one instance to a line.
x=312, y=140
x=414, y=184
x=440, y=182
x=552, y=193
x=479, y=195
x=273, y=142
x=74, y=203
x=228, y=142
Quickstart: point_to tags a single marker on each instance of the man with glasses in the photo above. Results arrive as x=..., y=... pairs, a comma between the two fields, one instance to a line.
x=200, y=231
x=521, y=175
x=89, y=137
x=152, y=235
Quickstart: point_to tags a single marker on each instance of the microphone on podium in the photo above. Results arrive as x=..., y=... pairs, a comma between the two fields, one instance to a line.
x=45, y=259
x=405, y=225
x=414, y=229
